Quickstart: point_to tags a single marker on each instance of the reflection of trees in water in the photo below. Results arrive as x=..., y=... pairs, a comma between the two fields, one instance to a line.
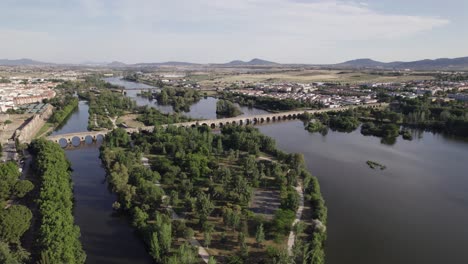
x=388, y=141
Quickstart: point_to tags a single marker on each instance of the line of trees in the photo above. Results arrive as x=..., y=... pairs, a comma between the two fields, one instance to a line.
x=15, y=220
x=58, y=238
x=64, y=106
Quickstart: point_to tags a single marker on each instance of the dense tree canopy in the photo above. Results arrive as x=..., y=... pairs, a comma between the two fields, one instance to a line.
x=180, y=98
x=225, y=108
x=58, y=236
x=14, y=221
x=206, y=176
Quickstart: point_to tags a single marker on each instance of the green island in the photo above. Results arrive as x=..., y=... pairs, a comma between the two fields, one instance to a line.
x=315, y=126
x=375, y=165
x=153, y=117
x=225, y=108
x=147, y=94
x=180, y=98
x=406, y=134
x=201, y=187
x=105, y=107
x=267, y=103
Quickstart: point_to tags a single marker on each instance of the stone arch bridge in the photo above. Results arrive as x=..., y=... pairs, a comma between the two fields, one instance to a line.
x=214, y=123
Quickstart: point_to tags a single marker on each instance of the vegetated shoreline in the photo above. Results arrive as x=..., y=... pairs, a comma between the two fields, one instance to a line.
x=447, y=118
x=316, y=237
x=66, y=112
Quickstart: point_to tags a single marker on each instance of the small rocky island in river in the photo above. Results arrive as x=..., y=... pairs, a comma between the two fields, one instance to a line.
x=375, y=165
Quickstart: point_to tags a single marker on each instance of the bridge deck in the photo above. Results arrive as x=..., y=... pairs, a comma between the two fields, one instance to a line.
x=215, y=122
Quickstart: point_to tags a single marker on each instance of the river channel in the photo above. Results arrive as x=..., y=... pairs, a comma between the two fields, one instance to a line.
x=415, y=211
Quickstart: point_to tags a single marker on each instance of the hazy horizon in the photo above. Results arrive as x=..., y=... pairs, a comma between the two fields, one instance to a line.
x=204, y=31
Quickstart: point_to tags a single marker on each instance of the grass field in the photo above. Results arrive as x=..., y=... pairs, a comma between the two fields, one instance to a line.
x=308, y=76
x=130, y=120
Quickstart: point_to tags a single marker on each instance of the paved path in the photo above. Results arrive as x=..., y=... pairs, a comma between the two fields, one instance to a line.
x=300, y=209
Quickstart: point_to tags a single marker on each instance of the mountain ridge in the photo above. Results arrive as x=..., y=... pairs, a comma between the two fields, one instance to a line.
x=460, y=63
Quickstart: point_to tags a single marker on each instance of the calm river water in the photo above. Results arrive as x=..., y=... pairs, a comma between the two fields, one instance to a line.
x=106, y=238
x=204, y=109
x=415, y=211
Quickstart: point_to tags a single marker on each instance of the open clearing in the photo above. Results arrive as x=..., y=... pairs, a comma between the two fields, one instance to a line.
x=265, y=202
x=307, y=76
x=130, y=120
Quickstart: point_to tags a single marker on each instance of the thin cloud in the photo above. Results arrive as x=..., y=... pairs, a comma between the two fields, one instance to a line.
x=214, y=31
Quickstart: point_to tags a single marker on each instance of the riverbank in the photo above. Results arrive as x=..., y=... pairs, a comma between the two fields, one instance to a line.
x=58, y=118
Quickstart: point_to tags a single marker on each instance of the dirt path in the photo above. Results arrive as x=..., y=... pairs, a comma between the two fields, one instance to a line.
x=174, y=216
x=201, y=250
x=95, y=121
x=300, y=209
x=114, y=121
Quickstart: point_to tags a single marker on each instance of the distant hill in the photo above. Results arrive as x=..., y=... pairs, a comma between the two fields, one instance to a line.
x=167, y=63
x=437, y=64
x=254, y=62
x=443, y=63
x=22, y=62
x=116, y=64
x=365, y=63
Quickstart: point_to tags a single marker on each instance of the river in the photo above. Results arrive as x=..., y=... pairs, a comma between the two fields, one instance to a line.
x=204, y=109
x=106, y=238
x=415, y=211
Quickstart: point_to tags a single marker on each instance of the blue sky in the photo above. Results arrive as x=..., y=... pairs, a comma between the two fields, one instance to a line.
x=288, y=31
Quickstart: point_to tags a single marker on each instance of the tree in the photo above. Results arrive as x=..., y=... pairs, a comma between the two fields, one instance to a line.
x=14, y=221
x=204, y=207
x=211, y=260
x=186, y=254
x=9, y=174
x=22, y=188
x=227, y=108
x=260, y=234
x=207, y=239
x=139, y=218
x=155, y=248
x=6, y=256
x=165, y=236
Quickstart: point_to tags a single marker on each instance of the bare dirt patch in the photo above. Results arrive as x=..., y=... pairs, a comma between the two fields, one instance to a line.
x=265, y=202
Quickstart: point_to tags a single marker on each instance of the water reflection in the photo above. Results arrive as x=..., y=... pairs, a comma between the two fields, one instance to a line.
x=415, y=211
